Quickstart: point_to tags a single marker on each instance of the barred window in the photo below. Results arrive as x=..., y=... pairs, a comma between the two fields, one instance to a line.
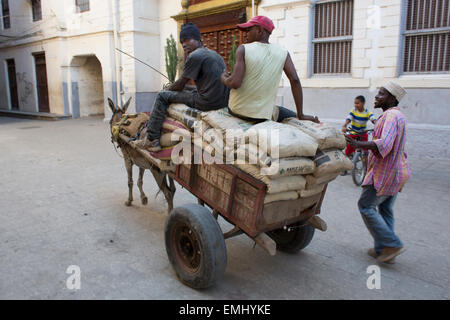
x=5, y=14
x=426, y=36
x=82, y=5
x=36, y=10
x=332, y=37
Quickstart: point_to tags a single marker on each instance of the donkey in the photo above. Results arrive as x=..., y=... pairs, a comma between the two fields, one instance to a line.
x=133, y=157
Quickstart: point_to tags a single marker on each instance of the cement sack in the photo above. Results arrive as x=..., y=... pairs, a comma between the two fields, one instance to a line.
x=290, y=183
x=281, y=140
x=216, y=135
x=251, y=154
x=326, y=136
x=189, y=122
x=169, y=139
x=221, y=119
x=331, y=161
x=312, y=182
x=283, y=196
x=214, y=138
x=171, y=124
x=200, y=127
x=290, y=166
x=179, y=111
x=311, y=192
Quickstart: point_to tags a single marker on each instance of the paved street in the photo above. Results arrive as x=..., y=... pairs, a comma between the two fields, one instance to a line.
x=63, y=189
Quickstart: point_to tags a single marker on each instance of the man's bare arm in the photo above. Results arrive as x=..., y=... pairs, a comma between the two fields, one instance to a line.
x=296, y=88
x=179, y=84
x=234, y=81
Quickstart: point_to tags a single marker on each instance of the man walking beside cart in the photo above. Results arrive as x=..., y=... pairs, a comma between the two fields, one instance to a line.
x=387, y=173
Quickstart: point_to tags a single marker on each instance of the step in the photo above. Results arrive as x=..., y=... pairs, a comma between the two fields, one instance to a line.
x=34, y=115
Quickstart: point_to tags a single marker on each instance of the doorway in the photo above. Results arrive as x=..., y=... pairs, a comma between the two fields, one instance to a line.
x=12, y=81
x=41, y=82
x=87, y=86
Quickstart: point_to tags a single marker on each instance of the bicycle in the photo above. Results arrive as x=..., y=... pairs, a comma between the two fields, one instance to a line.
x=359, y=160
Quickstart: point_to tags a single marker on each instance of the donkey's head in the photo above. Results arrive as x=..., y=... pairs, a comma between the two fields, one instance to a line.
x=117, y=113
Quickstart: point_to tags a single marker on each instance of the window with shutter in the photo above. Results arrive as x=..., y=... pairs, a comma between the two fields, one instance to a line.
x=332, y=37
x=36, y=10
x=5, y=14
x=426, y=36
x=82, y=5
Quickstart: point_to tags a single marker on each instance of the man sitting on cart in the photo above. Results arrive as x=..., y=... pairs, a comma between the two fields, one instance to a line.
x=257, y=73
x=204, y=66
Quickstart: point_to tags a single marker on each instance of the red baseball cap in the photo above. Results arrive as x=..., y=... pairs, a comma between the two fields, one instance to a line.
x=262, y=21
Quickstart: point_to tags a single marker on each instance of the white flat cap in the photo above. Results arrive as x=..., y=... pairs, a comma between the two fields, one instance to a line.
x=395, y=89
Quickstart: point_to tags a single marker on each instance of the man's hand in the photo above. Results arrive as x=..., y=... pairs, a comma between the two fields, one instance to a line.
x=351, y=141
x=344, y=129
x=225, y=76
x=309, y=118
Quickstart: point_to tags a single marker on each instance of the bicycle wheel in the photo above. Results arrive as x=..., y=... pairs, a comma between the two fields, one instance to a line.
x=359, y=169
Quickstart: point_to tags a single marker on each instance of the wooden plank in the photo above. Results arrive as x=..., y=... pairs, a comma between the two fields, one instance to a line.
x=279, y=211
x=212, y=195
x=266, y=243
x=245, y=194
x=216, y=177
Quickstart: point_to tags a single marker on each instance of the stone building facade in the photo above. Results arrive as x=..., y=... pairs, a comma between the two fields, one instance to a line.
x=341, y=49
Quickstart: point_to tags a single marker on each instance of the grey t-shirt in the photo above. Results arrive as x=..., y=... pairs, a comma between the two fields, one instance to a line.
x=205, y=67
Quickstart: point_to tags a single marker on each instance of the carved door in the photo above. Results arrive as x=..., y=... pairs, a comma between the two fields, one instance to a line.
x=218, y=29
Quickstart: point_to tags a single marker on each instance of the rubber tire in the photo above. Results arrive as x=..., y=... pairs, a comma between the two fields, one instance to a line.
x=357, y=157
x=213, y=257
x=295, y=240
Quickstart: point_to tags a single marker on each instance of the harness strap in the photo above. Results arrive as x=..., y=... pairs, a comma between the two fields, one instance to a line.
x=116, y=128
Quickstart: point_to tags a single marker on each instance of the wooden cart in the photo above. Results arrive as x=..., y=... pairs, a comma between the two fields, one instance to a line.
x=195, y=243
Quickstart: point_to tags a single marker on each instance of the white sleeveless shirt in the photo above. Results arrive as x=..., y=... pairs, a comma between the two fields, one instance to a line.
x=264, y=65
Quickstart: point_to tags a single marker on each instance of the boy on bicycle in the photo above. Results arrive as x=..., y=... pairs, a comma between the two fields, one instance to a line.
x=358, y=118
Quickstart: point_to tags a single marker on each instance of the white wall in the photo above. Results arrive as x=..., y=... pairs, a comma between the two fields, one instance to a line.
x=375, y=58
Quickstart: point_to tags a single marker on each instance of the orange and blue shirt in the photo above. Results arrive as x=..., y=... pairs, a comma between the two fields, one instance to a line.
x=359, y=120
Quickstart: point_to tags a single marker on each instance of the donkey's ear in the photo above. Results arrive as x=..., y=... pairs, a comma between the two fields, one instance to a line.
x=127, y=104
x=111, y=105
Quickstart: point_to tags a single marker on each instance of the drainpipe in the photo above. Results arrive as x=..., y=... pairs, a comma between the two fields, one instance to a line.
x=116, y=55
x=253, y=8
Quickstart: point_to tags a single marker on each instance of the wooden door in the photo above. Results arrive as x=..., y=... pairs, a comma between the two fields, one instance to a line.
x=218, y=29
x=41, y=79
x=12, y=84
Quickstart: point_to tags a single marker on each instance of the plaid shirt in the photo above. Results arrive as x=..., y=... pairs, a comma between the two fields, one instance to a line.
x=388, y=168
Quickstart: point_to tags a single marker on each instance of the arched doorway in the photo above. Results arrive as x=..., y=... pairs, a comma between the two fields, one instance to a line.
x=87, y=86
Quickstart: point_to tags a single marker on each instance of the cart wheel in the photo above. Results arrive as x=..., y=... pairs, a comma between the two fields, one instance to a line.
x=195, y=246
x=297, y=238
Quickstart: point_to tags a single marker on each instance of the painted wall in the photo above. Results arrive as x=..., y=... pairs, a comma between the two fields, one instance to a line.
x=375, y=50
x=143, y=27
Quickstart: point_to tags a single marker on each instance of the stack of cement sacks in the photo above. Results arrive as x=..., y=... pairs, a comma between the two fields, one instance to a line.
x=294, y=159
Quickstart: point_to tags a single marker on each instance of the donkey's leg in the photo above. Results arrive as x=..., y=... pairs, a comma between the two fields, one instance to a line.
x=172, y=190
x=129, y=167
x=160, y=178
x=144, y=199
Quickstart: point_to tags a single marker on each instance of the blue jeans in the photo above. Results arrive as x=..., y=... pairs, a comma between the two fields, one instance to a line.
x=379, y=222
x=159, y=111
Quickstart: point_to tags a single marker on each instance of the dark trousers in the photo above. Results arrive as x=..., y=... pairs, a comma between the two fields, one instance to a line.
x=159, y=111
x=283, y=114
